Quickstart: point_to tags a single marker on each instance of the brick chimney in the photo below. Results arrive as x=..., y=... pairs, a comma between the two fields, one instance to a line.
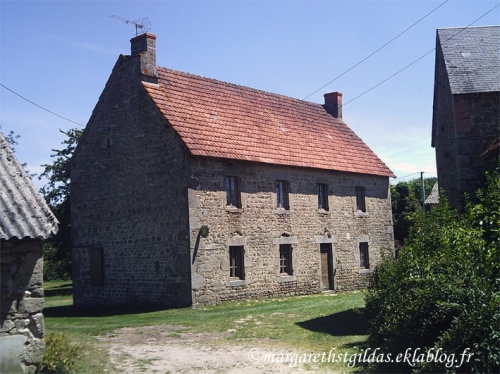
x=333, y=104
x=144, y=45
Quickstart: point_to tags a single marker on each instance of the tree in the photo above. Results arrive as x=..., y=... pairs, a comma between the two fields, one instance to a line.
x=406, y=199
x=441, y=295
x=11, y=137
x=57, y=249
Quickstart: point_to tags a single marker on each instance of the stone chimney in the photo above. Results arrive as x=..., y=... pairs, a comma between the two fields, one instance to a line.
x=333, y=104
x=144, y=45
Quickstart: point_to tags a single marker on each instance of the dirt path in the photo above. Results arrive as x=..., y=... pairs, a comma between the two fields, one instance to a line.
x=174, y=349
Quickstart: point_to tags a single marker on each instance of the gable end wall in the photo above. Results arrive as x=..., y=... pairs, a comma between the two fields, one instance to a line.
x=129, y=200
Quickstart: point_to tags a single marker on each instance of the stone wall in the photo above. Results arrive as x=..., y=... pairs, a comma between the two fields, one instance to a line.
x=129, y=202
x=21, y=318
x=260, y=228
x=443, y=137
x=477, y=121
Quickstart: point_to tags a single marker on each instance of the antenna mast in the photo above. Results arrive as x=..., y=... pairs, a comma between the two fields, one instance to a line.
x=142, y=25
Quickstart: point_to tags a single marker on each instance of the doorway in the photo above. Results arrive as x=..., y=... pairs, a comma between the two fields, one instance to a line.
x=327, y=270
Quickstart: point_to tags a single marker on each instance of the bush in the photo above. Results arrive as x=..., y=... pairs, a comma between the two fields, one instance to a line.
x=442, y=292
x=61, y=356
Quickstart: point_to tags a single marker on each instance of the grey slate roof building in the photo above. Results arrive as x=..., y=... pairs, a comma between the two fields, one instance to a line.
x=23, y=212
x=472, y=58
x=465, y=124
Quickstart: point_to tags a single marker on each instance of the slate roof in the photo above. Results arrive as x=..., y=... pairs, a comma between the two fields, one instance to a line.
x=224, y=120
x=472, y=58
x=433, y=197
x=23, y=212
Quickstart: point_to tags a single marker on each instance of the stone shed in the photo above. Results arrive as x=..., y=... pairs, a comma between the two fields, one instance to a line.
x=25, y=221
x=187, y=190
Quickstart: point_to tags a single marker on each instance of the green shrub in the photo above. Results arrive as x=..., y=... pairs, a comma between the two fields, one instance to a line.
x=442, y=293
x=61, y=356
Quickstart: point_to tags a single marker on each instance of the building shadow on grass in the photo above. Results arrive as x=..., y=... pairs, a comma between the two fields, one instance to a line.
x=99, y=311
x=62, y=290
x=348, y=322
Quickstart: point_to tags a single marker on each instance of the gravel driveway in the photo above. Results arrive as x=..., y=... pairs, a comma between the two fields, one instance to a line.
x=175, y=349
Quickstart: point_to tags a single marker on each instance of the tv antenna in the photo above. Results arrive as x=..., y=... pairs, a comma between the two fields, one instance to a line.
x=142, y=25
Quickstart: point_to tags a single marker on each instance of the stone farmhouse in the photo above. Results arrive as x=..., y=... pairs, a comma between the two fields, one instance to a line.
x=466, y=116
x=191, y=191
x=25, y=221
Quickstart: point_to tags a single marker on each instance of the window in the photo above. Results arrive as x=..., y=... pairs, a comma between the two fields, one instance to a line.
x=322, y=196
x=286, y=259
x=96, y=267
x=232, y=192
x=364, y=260
x=236, y=262
x=360, y=199
x=282, y=191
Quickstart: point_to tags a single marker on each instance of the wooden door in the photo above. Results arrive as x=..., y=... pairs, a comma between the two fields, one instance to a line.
x=326, y=267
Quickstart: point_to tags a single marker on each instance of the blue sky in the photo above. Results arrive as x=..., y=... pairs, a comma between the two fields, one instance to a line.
x=59, y=54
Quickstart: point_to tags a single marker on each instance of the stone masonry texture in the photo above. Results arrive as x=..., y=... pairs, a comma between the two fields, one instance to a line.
x=21, y=319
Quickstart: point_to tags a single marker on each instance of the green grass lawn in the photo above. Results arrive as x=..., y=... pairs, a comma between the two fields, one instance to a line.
x=308, y=324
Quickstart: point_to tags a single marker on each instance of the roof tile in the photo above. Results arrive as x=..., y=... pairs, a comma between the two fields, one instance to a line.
x=224, y=120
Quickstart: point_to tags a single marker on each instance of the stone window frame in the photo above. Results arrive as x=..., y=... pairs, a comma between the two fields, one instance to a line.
x=285, y=239
x=237, y=241
x=232, y=187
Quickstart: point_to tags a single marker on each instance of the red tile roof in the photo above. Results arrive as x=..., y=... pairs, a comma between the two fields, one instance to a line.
x=224, y=120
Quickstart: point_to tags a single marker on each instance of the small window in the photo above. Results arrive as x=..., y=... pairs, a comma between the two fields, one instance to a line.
x=282, y=191
x=96, y=267
x=286, y=259
x=322, y=196
x=236, y=262
x=364, y=260
x=232, y=192
x=360, y=199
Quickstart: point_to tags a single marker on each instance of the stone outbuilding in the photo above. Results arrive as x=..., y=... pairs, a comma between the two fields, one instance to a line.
x=25, y=221
x=466, y=114
x=187, y=190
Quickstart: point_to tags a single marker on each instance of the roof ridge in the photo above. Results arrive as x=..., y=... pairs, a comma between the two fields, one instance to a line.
x=466, y=27
x=236, y=85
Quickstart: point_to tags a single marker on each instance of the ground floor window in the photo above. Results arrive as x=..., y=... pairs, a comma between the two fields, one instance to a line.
x=236, y=262
x=286, y=259
x=364, y=260
x=96, y=267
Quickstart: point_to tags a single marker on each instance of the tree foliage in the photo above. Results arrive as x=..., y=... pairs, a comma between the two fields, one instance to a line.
x=442, y=292
x=407, y=199
x=57, y=250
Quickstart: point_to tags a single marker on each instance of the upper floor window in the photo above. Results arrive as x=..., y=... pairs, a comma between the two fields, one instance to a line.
x=236, y=262
x=282, y=191
x=286, y=259
x=96, y=267
x=364, y=259
x=232, y=192
x=322, y=196
x=360, y=199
